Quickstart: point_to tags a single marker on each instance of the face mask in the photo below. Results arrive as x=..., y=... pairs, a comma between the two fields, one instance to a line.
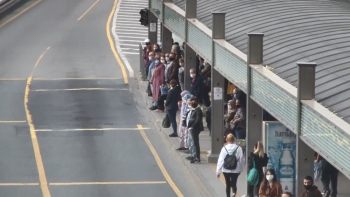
x=163, y=61
x=236, y=96
x=308, y=187
x=181, y=64
x=192, y=75
x=171, y=58
x=156, y=62
x=167, y=58
x=269, y=177
x=150, y=58
x=229, y=107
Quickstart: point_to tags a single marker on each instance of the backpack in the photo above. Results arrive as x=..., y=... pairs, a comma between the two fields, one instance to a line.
x=253, y=175
x=230, y=161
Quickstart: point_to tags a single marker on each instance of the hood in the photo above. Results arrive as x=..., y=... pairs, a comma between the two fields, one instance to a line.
x=183, y=93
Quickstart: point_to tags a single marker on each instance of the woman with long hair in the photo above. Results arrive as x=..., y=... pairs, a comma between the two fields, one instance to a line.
x=260, y=159
x=270, y=187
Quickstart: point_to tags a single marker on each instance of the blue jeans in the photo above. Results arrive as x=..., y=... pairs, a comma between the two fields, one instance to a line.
x=191, y=148
x=172, y=118
x=240, y=133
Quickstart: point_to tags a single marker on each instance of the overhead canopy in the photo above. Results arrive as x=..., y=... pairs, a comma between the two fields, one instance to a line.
x=295, y=31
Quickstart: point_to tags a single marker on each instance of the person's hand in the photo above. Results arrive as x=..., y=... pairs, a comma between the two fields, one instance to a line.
x=218, y=175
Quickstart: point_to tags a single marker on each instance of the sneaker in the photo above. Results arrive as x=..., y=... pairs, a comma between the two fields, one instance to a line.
x=173, y=135
x=195, y=161
x=189, y=158
x=325, y=193
x=182, y=148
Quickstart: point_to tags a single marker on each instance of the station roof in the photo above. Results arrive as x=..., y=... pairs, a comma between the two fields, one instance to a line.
x=295, y=31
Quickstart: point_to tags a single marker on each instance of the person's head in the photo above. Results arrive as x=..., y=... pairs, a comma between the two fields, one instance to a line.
x=231, y=104
x=181, y=62
x=147, y=42
x=162, y=59
x=156, y=46
x=230, y=138
x=193, y=73
x=236, y=93
x=173, y=83
x=194, y=102
x=286, y=194
x=172, y=56
x=238, y=103
x=270, y=175
x=157, y=59
x=167, y=57
x=151, y=56
x=308, y=182
x=259, y=149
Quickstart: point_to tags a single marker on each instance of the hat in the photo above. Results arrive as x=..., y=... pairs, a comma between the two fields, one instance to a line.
x=147, y=40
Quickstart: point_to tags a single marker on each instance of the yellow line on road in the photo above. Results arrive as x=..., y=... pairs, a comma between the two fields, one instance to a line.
x=59, y=79
x=159, y=162
x=77, y=89
x=91, y=129
x=111, y=42
x=19, y=184
x=108, y=183
x=36, y=148
x=12, y=121
x=88, y=10
x=20, y=13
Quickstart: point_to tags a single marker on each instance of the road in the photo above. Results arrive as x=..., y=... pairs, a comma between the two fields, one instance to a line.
x=71, y=122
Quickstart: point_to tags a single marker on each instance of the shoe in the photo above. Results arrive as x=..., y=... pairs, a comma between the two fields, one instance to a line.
x=153, y=108
x=189, y=158
x=195, y=161
x=325, y=193
x=182, y=148
x=173, y=135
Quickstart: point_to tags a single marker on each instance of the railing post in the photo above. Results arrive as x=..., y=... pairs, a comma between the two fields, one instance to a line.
x=304, y=154
x=254, y=113
x=152, y=29
x=217, y=92
x=166, y=34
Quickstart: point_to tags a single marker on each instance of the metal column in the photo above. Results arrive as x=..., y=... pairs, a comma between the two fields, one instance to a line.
x=217, y=93
x=254, y=113
x=166, y=39
x=304, y=154
x=152, y=19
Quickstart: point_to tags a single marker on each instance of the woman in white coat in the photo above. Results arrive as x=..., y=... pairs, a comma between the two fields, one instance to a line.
x=231, y=176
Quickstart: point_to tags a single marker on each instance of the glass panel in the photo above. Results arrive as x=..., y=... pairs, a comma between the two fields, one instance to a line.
x=200, y=42
x=325, y=137
x=274, y=99
x=175, y=22
x=157, y=8
x=231, y=66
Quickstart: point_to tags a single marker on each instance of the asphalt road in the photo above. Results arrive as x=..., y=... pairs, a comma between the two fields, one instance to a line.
x=69, y=123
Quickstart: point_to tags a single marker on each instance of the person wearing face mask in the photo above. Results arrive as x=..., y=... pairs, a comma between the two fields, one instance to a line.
x=157, y=80
x=208, y=115
x=152, y=65
x=196, y=84
x=173, y=70
x=258, y=159
x=310, y=189
x=172, y=106
x=156, y=48
x=181, y=74
x=269, y=187
x=239, y=120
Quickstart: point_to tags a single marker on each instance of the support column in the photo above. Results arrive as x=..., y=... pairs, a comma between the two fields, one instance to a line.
x=217, y=93
x=304, y=154
x=254, y=113
x=166, y=39
x=152, y=25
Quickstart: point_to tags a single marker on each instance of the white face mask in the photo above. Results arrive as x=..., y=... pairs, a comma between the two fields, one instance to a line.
x=163, y=61
x=167, y=59
x=192, y=75
x=150, y=58
x=156, y=62
x=181, y=64
x=269, y=177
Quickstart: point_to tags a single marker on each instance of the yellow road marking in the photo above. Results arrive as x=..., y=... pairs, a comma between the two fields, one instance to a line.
x=160, y=163
x=77, y=89
x=36, y=148
x=19, y=184
x=111, y=42
x=108, y=183
x=92, y=129
x=13, y=79
x=88, y=10
x=12, y=121
x=20, y=13
x=58, y=79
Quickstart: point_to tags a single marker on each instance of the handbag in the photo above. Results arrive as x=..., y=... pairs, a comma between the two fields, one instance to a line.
x=166, y=121
x=253, y=175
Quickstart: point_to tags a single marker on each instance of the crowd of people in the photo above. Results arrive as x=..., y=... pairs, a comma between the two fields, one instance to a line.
x=165, y=71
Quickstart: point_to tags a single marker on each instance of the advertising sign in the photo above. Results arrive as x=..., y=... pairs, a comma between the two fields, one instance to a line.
x=281, y=150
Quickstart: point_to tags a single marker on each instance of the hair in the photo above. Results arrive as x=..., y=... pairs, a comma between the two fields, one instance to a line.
x=230, y=138
x=265, y=183
x=194, y=100
x=193, y=69
x=288, y=193
x=173, y=83
x=259, y=149
x=309, y=178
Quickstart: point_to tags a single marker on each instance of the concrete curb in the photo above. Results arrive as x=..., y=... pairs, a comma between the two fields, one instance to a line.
x=10, y=6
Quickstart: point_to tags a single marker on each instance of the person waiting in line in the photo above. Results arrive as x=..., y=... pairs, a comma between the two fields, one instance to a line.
x=182, y=73
x=231, y=111
x=260, y=160
x=208, y=115
x=182, y=127
x=270, y=187
x=196, y=84
x=231, y=176
x=156, y=48
x=239, y=120
x=157, y=80
x=172, y=106
x=329, y=175
x=173, y=70
x=206, y=89
x=286, y=194
x=310, y=189
x=195, y=126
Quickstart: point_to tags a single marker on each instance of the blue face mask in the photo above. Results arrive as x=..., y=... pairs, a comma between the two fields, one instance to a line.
x=156, y=62
x=236, y=96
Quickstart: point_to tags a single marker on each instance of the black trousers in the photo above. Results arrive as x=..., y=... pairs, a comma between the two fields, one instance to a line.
x=251, y=187
x=161, y=100
x=231, y=182
x=195, y=137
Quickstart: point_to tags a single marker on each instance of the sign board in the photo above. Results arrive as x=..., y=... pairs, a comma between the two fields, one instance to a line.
x=217, y=93
x=153, y=27
x=280, y=143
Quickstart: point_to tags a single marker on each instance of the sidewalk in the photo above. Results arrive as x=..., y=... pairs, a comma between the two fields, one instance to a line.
x=204, y=172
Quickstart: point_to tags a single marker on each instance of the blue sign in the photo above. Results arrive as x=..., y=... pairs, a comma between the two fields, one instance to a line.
x=281, y=150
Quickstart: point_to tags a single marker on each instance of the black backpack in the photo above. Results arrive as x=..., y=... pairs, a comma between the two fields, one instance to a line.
x=230, y=161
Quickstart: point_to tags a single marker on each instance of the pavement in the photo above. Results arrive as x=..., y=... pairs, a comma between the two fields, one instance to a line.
x=70, y=120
